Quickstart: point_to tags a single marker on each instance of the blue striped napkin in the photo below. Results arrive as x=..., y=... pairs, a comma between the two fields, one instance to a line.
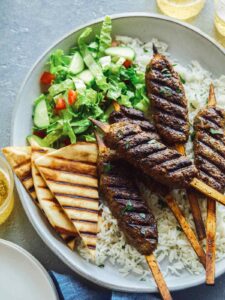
x=74, y=288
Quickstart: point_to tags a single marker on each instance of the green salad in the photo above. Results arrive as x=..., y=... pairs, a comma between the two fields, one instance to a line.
x=84, y=83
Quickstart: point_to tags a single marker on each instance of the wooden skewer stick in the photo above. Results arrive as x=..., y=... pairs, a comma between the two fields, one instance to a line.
x=161, y=284
x=210, y=242
x=194, y=205
x=211, y=221
x=195, y=183
x=207, y=191
x=151, y=260
x=197, y=216
x=186, y=229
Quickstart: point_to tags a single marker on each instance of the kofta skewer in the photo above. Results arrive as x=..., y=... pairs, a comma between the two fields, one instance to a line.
x=170, y=115
x=137, y=117
x=134, y=217
x=210, y=136
x=169, y=168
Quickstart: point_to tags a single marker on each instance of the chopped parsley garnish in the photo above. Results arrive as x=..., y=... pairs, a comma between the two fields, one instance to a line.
x=143, y=230
x=101, y=266
x=127, y=208
x=174, y=65
x=178, y=228
x=127, y=145
x=193, y=136
x=123, y=247
x=162, y=203
x=107, y=167
x=120, y=134
x=214, y=131
x=142, y=215
x=166, y=73
x=192, y=105
x=165, y=91
x=165, y=70
x=182, y=79
x=153, y=141
x=178, y=90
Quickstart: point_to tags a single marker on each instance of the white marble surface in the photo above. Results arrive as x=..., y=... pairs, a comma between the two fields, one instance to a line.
x=27, y=28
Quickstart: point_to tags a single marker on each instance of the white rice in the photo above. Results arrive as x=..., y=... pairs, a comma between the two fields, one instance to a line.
x=174, y=251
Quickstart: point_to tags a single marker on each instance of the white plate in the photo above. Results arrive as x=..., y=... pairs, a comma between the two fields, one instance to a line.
x=22, y=277
x=186, y=43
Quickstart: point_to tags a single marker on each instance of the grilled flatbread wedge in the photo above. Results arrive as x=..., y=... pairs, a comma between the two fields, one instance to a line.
x=50, y=206
x=71, y=175
x=20, y=160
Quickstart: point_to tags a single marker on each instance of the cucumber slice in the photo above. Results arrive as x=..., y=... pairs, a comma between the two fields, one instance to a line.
x=125, y=52
x=41, y=119
x=77, y=63
x=86, y=76
x=93, y=66
x=105, y=62
x=34, y=141
x=79, y=84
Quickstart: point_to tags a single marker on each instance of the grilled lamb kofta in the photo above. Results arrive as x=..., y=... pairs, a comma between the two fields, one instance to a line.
x=123, y=198
x=135, y=116
x=168, y=100
x=136, y=146
x=209, y=146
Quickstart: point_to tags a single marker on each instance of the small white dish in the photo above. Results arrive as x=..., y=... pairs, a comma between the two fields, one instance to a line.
x=22, y=277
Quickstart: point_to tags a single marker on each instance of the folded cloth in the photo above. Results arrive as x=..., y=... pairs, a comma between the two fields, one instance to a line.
x=74, y=288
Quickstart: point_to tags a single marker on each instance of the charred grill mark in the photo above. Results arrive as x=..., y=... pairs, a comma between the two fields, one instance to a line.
x=68, y=238
x=81, y=169
x=22, y=164
x=168, y=100
x=75, y=196
x=93, y=247
x=84, y=221
x=209, y=146
x=73, y=160
x=88, y=233
x=31, y=189
x=72, y=184
x=44, y=187
x=216, y=144
x=162, y=104
x=80, y=208
x=92, y=171
x=26, y=176
x=51, y=200
x=39, y=150
x=210, y=155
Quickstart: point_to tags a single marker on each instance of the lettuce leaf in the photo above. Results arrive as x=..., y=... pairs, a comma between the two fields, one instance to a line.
x=82, y=40
x=105, y=39
x=61, y=87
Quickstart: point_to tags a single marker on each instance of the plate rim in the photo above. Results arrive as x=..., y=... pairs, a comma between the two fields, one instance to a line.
x=33, y=260
x=20, y=189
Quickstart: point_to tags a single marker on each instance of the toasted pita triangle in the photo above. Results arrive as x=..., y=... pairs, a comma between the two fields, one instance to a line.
x=71, y=175
x=52, y=209
x=20, y=160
